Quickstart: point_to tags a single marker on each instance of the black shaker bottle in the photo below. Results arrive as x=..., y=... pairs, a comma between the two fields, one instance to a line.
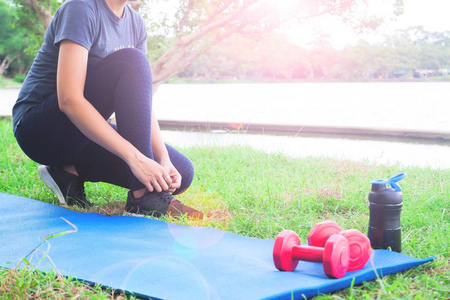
x=385, y=204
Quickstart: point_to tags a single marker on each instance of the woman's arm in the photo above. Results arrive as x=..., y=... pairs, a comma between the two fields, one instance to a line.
x=71, y=78
x=158, y=146
x=162, y=156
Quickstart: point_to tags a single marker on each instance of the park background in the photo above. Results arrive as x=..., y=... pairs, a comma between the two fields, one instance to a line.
x=288, y=40
x=322, y=46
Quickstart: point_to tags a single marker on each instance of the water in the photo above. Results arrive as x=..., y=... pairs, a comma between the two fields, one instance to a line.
x=369, y=151
x=401, y=106
x=382, y=106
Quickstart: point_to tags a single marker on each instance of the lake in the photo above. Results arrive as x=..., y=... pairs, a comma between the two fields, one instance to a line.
x=409, y=106
x=421, y=106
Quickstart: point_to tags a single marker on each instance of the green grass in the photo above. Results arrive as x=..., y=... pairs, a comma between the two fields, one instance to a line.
x=6, y=82
x=257, y=194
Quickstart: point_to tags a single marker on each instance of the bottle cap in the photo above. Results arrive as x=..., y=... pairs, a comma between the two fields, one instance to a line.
x=391, y=181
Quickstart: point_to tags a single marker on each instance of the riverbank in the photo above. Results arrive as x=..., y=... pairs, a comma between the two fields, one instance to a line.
x=404, y=110
x=375, y=152
x=378, y=110
x=6, y=82
x=233, y=80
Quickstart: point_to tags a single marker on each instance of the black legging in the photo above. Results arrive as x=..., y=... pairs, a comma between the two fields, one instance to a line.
x=120, y=83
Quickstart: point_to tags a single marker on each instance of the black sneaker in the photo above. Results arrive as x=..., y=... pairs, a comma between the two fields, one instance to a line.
x=68, y=188
x=158, y=204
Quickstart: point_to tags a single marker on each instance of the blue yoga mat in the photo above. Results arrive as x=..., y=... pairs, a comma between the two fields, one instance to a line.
x=156, y=259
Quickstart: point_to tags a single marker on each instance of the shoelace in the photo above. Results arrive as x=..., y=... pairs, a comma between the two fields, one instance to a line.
x=166, y=197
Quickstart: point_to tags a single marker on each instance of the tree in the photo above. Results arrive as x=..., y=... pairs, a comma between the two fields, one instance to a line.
x=192, y=27
x=35, y=16
x=11, y=38
x=199, y=25
x=433, y=48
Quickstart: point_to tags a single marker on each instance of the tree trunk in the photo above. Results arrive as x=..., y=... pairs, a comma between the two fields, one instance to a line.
x=44, y=13
x=6, y=62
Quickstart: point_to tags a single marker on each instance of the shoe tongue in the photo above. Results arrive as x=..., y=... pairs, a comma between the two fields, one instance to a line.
x=167, y=197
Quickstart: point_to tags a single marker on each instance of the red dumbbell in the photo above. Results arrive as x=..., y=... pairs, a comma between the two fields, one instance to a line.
x=359, y=244
x=287, y=252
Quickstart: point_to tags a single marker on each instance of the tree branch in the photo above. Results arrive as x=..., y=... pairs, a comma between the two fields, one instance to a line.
x=186, y=15
x=218, y=12
x=44, y=13
x=331, y=10
x=188, y=40
x=180, y=61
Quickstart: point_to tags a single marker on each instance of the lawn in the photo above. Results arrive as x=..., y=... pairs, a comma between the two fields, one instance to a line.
x=6, y=82
x=257, y=194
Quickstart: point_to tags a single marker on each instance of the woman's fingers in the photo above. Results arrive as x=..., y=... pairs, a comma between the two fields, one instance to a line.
x=168, y=179
x=176, y=182
x=162, y=185
x=156, y=180
x=156, y=177
x=150, y=173
x=149, y=187
x=154, y=184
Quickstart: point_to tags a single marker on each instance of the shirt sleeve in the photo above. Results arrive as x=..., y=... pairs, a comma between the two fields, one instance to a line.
x=142, y=40
x=75, y=21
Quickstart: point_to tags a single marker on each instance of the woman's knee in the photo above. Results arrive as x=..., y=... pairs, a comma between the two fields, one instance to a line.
x=132, y=56
x=127, y=61
x=187, y=176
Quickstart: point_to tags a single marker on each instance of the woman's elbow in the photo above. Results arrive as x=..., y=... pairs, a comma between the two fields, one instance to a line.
x=65, y=102
x=62, y=104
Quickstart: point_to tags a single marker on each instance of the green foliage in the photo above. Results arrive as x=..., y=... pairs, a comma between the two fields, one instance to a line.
x=13, y=39
x=7, y=19
x=19, y=78
x=251, y=49
x=157, y=45
x=272, y=57
x=208, y=23
x=33, y=22
x=192, y=28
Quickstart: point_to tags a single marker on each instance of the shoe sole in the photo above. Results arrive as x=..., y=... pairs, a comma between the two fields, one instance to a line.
x=48, y=180
x=135, y=212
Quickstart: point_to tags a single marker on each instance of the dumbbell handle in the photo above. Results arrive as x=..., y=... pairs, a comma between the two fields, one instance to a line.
x=288, y=251
x=307, y=253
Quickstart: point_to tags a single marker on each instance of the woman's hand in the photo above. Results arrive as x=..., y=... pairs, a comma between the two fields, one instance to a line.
x=175, y=177
x=154, y=176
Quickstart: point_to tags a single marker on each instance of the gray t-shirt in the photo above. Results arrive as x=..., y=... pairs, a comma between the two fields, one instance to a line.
x=93, y=25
